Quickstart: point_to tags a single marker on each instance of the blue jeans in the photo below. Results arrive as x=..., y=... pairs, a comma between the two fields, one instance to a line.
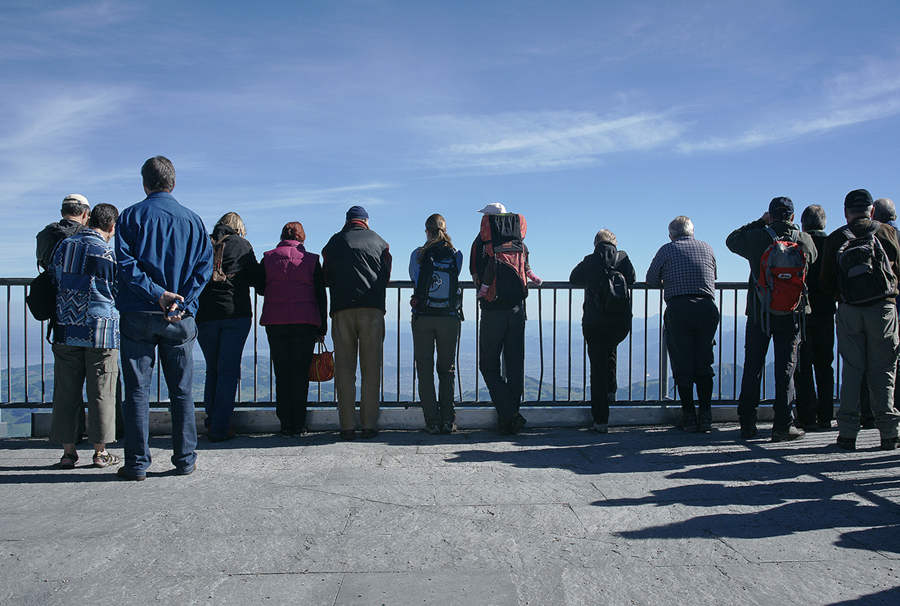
x=141, y=335
x=222, y=343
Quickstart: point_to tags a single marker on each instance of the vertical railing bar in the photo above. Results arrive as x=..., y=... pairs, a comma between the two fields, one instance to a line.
x=569, y=348
x=721, y=322
x=398, y=346
x=477, y=345
x=734, y=380
x=25, y=347
x=553, y=332
x=646, y=312
x=663, y=355
x=8, y=343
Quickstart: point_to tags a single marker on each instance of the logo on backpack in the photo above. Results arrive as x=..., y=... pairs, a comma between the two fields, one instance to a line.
x=865, y=274
x=781, y=286
x=504, y=248
x=437, y=290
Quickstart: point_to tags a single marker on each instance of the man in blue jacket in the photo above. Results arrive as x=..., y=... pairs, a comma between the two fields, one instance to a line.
x=164, y=259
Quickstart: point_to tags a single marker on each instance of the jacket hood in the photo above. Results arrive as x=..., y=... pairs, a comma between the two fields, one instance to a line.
x=220, y=231
x=605, y=253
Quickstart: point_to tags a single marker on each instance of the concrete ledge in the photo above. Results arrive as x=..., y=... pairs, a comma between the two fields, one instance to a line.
x=265, y=421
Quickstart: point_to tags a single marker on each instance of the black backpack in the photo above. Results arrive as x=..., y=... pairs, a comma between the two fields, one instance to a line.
x=611, y=294
x=437, y=289
x=865, y=274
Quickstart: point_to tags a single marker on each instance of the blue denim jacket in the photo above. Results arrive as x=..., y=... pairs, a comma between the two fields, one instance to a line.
x=160, y=246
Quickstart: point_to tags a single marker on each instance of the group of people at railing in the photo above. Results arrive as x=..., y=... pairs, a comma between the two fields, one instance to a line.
x=166, y=282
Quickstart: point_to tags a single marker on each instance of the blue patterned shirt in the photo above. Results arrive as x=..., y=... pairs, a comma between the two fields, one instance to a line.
x=685, y=266
x=83, y=269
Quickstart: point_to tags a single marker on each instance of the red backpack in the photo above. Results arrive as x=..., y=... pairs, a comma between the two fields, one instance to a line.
x=502, y=236
x=781, y=285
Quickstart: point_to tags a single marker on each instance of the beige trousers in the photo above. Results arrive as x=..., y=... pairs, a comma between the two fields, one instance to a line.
x=358, y=333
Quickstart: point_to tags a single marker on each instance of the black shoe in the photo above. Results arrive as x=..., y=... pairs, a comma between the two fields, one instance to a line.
x=517, y=423
x=185, y=472
x=286, y=433
x=786, y=435
x=120, y=472
x=807, y=427
x=749, y=432
x=348, y=434
x=846, y=443
x=368, y=434
x=504, y=429
x=824, y=425
x=689, y=423
x=448, y=428
x=867, y=423
x=889, y=443
x=704, y=421
x=228, y=436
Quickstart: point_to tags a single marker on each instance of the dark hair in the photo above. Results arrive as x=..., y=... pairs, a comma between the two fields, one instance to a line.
x=103, y=216
x=71, y=208
x=158, y=174
x=293, y=231
x=813, y=218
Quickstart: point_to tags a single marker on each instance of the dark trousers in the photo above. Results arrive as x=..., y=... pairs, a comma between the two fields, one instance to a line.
x=602, y=341
x=691, y=324
x=503, y=333
x=814, y=374
x=291, y=348
x=785, y=338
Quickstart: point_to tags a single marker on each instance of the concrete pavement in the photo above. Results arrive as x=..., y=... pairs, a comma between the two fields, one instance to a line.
x=643, y=515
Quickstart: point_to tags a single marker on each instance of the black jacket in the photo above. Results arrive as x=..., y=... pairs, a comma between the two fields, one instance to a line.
x=231, y=298
x=50, y=236
x=356, y=264
x=592, y=270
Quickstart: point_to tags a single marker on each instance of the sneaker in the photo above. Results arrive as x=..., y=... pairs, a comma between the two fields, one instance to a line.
x=787, y=435
x=434, y=430
x=285, y=433
x=185, y=472
x=228, y=436
x=121, y=472
x=601, y=427
x=67, y=461
x=348, y=434
x=807, y=427
x=689, y=424
x=889, y=443
x=448, y=428
x=846, y=443
x=368, y=434
x=105, y=459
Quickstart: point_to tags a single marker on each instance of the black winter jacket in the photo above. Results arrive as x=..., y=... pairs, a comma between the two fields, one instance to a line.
x=231, y=298
x=356, y=264
x=592, y=270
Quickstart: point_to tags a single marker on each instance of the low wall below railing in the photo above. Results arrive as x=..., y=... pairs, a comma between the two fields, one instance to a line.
x=410, y=419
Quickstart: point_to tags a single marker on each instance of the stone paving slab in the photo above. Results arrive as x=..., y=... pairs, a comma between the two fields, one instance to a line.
x=643, y=515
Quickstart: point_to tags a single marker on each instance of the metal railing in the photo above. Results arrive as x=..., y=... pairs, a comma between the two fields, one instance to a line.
x=556, y=362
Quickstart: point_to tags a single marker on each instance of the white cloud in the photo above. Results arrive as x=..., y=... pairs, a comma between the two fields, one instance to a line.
x=536, y=141
x=343, y=195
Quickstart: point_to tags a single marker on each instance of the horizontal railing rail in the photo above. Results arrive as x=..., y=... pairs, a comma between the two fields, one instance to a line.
x=556, y=364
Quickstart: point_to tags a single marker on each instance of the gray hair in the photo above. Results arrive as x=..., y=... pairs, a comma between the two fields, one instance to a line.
x=681, y=226
x=813, y=218
x=604, y=235
x=884, y=210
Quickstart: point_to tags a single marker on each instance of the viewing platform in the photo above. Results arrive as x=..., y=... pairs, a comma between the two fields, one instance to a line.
x=549, y=517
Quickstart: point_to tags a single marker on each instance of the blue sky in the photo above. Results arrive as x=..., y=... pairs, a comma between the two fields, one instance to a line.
x=580, y=115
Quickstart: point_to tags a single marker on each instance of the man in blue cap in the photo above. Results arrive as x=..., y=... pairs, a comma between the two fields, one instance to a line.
x=750, y=242
x=356, y=264
x=866, y=319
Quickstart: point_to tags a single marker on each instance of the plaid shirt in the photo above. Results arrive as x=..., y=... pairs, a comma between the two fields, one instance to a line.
x=684, y=267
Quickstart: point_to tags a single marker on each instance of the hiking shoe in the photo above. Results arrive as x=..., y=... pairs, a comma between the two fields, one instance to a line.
x=448, y=428
x=889, y=443
x=601, y=427
x=121, y=472
x=846, y=443
x=748, y=432
x=67, y=461
x=105, y=459
x=786, y=435
x=517, y=423
x=704, y=421
x=434, y=430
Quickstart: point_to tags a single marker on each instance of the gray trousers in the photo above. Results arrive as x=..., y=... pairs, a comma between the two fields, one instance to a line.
x=868, y=345
x=441, y=333
x=98, y=371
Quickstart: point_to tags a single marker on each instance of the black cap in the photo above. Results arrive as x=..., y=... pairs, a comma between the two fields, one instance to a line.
x=781, y=208
x=858, y=199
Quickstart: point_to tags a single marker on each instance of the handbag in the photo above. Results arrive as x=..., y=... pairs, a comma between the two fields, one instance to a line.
x=322, y=367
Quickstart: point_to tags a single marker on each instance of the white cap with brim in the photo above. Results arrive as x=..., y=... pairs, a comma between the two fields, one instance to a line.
x=493, y=209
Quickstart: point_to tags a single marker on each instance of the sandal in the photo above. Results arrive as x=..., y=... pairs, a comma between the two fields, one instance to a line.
x=105, y=459
x=67, y=461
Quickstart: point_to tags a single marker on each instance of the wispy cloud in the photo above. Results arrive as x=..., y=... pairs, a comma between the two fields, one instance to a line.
x=46, y=144
x=536, y=141
x=344, y=195
x=870, y=93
